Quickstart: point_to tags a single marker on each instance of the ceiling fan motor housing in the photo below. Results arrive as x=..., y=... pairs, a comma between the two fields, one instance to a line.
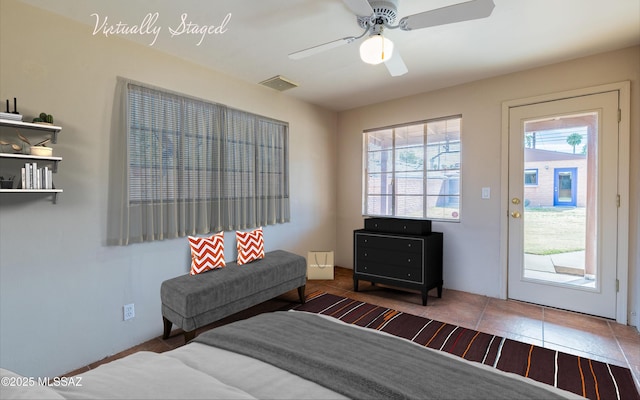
x=384, y=12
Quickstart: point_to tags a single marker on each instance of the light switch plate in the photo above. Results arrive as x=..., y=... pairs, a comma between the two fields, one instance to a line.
x=486, y=192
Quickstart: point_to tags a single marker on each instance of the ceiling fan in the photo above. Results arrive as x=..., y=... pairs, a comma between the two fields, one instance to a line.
x=376, y=15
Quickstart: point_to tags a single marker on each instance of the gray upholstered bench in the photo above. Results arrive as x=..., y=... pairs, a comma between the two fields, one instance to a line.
x=193, y=301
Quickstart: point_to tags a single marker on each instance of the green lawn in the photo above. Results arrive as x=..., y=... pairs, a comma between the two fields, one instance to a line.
x=554, y=230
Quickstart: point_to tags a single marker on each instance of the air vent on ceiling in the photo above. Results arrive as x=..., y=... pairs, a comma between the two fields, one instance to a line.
x=279, y=83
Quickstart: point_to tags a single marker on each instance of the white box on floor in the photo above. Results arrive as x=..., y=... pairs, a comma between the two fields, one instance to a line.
x=320, y=265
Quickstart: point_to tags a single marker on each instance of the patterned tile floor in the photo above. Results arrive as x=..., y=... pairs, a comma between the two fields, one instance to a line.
x=592, y=337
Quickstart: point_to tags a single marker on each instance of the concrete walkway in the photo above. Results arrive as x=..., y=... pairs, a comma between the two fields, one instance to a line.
x=551, y=263
x=564, y=268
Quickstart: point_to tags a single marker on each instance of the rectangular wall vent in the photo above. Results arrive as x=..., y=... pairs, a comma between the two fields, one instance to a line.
x=279, y=83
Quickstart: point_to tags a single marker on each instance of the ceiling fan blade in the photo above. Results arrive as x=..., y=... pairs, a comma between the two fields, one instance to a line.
x=361, y=8
x=470, y=10
x=320, y=48
x=395, y=65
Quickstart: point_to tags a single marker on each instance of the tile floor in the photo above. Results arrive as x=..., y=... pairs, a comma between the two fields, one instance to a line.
x=592, y=337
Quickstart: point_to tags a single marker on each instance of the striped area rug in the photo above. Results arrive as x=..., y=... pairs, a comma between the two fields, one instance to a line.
x=588, y=378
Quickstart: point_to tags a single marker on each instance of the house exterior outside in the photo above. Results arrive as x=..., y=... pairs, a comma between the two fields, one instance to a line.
x=554, y=178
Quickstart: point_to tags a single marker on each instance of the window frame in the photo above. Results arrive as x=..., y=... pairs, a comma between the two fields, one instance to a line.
x=530, y=171
x=395, y=194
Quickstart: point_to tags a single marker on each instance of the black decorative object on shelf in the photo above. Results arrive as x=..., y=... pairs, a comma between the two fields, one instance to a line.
x=11, y=115
x=6, y=183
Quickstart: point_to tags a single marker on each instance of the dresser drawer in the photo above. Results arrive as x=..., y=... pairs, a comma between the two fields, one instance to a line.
x=393, y=258
x=391, y=243
x=397, y=225
x=411, y=273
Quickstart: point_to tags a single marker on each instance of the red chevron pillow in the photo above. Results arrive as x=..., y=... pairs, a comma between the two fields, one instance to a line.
x=250, y=246
x=206, y=253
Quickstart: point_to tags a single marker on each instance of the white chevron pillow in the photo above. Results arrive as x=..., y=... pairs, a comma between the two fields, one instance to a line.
x=250, y=246
x=206, y=253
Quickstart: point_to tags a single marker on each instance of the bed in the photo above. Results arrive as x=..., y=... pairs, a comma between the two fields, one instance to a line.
x=291, y=355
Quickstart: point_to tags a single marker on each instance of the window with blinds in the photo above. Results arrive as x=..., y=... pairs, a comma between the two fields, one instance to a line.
x=210, y=166
x=413, y=170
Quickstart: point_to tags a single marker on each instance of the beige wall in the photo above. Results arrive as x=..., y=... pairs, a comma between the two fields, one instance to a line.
x=62, y=290
x=472, y=259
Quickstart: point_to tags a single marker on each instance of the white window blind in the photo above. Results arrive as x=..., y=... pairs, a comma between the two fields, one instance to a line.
x=194, y=167
x=413, y=170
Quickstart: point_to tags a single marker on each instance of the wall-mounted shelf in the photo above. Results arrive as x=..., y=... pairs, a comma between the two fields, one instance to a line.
x=30, y=190
x=53, y=160
x=53, y=192
x=35, y=128
x=53, y=129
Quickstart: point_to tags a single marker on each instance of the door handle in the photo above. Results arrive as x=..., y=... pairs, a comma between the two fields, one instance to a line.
x=515, y=200
x=515, y=214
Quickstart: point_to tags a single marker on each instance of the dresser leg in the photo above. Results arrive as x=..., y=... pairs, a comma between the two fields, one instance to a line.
x=424, y=297
x=440, y=290
x=355, y=285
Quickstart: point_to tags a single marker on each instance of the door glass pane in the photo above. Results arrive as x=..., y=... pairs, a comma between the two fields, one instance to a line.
x=564, y=187
x=560, y=204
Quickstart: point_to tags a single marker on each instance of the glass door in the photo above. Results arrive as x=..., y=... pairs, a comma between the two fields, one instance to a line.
x=563, y=217
x=565, y=183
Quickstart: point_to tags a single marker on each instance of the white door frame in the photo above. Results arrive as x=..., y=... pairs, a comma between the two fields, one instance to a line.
x=622, y=268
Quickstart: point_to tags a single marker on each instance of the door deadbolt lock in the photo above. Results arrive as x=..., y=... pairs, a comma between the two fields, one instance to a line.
x=515, y=200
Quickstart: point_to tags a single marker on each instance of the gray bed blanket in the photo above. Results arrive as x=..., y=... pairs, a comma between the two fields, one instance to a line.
x=365, y=365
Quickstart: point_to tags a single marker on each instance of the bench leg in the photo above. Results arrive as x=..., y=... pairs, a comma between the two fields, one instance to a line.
x=167, y=328
x=189, y=336
x=301, y=294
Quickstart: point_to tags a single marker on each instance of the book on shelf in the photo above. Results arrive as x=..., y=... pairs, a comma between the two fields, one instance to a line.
x=11, y=116
x=34, y=178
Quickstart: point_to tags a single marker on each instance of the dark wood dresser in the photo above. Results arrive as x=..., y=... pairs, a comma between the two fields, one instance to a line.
x=400, y=253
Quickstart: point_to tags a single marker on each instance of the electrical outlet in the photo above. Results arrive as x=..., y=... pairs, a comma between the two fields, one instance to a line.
x=129, y=311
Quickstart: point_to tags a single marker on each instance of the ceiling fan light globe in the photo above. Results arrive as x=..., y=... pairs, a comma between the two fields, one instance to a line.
x=376, y=49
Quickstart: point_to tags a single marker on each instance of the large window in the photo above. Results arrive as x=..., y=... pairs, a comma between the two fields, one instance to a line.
x=413, y=170
x=189, y=166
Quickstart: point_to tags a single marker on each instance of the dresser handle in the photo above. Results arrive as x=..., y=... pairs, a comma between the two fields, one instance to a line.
x=408, y=260
x=365, y=254
x=409, y=245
